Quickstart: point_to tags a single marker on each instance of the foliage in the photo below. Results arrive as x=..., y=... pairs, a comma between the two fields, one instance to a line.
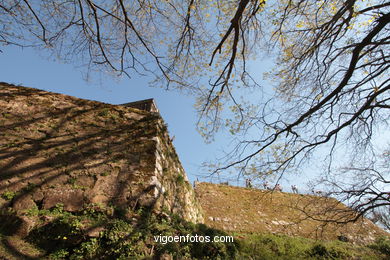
x=180, y=179
x=66, y=236
x=60, y=254
x=268, y=246
x=315, y=84
x=382, y=244
x=8, y=195
x=166, y=39
x=322, y=251
x=330, y=99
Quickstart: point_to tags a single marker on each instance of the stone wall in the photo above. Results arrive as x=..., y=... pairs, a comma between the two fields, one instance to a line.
x=250, y=210
x=60, y=149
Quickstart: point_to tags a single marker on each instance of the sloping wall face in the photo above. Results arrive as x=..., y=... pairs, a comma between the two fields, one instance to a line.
x=59, y=149
x=251, y=210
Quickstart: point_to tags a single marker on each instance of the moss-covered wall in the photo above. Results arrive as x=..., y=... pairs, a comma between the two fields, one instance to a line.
x=60, y=149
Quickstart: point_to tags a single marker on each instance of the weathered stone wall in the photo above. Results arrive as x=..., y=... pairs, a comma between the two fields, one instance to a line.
x=60, y=149
x=250, y=210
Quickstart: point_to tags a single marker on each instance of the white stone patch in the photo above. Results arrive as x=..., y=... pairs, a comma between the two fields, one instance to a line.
x=157, y=140
x=158, y=186
x=159, y=169
x=280, y=222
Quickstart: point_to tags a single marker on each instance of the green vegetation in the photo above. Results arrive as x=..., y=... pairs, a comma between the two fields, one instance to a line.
x=104, y=112
x=118, y=233
x=72, y=180
x=121, y=234
x=180, y=179
x=107, y=112
x=8, y=195
x=105, y=173
x=269, y=247
x=382, y=244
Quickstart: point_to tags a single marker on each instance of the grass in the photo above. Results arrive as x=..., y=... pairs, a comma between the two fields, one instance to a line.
x=128, y=234
x=270, y=246
x=25, y=250
x=121, y=238
x=66, y=237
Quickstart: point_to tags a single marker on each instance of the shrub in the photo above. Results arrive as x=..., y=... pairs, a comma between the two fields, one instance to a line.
x=382, y=244
x=65, y=236
x=60, y=254
x=180, y=179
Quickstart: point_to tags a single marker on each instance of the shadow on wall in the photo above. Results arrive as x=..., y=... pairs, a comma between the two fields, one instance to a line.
x=59, y=149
